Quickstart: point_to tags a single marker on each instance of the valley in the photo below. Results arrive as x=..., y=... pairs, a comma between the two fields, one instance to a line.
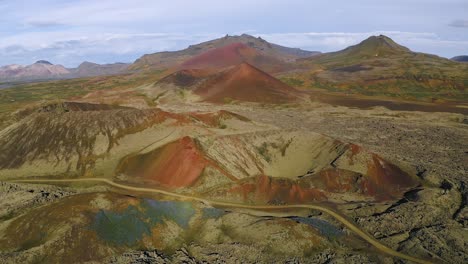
x=238, y=150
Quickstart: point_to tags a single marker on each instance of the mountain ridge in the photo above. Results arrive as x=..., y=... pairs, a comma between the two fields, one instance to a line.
x=169, y=59
x=379, y=66
x=461, y=58
x=44, y=70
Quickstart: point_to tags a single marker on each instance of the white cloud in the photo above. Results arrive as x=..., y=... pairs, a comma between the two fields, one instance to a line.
x=71, y=48
x=83, y=13
x=70, y=31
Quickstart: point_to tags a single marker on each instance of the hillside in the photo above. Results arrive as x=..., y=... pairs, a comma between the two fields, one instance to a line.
x=231, y=55
x=379, y=66
x=246, y=83
x=88, y=69
x=172, y=58
x=44, y=70
x=462, y=58
x=39, y=70
x=242, y=82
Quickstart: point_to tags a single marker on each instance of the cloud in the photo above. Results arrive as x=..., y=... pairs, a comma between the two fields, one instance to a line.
x=44, y=23
x=70, y=31
x=70, y=49
x=459, y=23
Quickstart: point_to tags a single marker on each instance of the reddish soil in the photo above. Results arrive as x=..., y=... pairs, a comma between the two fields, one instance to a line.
x=246, y=83
x=186, y=78
x=226, y=56
x=174, y=165
x=335, y=180
x=364, y=102
x=386, y=179
x=277, y=191
x=215, y=119
x=234, y=54
x=177, y=164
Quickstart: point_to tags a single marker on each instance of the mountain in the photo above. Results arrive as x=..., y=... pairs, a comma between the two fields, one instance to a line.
x=373, y=47
x=44, y=70
x=86, y=69
x=242, y=82
x=169, y=59
x=462, y=58
x=246, y=83
x=380, y=66
x=39, y=70
x=231, y=55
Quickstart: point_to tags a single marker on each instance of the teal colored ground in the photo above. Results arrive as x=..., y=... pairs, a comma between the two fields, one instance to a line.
x=325, y=228
x=128, y=227
x=211, y=212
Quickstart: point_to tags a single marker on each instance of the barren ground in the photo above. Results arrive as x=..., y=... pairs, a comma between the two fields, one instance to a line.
x=428, y=222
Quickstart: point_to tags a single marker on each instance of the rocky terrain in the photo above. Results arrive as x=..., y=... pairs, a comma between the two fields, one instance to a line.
x=203, y=155
x=428, y=221
x=171, y=59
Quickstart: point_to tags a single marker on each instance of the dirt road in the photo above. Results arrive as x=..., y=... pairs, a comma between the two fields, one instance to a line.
x=354, y=228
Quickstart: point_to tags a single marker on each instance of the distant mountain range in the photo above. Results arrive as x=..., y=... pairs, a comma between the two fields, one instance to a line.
x=236, y=49
x=44, y=70
x=462, y=58
x=40, y=69
x=376, y=66
x=87, y=69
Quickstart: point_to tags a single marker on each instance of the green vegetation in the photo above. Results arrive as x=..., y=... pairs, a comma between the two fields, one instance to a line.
x=222, y=126
x=378, y=66
x=228, y=100
x=23, y=95
x=292, y=81
x=264, y=152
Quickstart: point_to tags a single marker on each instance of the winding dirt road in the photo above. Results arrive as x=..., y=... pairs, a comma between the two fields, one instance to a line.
x=354, y=228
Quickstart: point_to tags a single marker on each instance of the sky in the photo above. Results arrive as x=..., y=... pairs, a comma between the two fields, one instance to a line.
x=69, y=32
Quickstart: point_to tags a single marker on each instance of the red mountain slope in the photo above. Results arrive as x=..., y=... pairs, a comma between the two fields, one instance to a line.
x=231, y=55
x=246, y=83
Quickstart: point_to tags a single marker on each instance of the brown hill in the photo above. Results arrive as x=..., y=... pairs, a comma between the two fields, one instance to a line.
x=87, y=69
x=169, y=59
x=185, y=78
x=378, y=66
x=233, y=54
x=246, y=83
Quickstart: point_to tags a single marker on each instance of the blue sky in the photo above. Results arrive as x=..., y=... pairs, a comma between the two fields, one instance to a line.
x=71, y=31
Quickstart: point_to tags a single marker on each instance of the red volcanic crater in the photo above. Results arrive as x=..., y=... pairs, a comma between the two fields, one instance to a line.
x=246, y=83
x=174, y=165
x=177, y=164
